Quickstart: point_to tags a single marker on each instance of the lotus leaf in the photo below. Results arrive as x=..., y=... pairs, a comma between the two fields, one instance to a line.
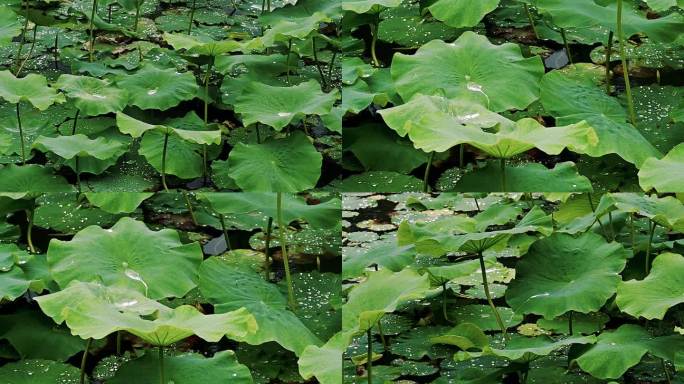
x=201, y=44
x=32, y=88
x=92, y=96
x=10, y=26
x=324, y=362
x=19, y=182
x=664, y=175
x=465, y=336
x=527, y=348
x=154, y=88
x=50, y=372
x=461, y=13
x=115, y=202
x=137, y=128
x=68, y=147
x=363, y=6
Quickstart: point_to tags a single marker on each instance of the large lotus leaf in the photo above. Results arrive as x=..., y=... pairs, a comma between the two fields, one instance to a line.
x=470, y=68
x=482, y=316
x=32, y=126
x=666, y=211
x=30, y=180
x=63, y=212
x=229, y=287
x=128, y=254
x=590, y=13
x=462, y=13
x=616, y=351
x=527, y=177
x=666, y=174
x=154, y=88
x=325, y=362
x=39, y=372
x=92, y=96
x=92, y=310
x=189, y=368
x=664, y=5
x=303, y=9
x=381, y=181
x=35, y=336
x=32, y=88
x=371, y=144
x=357, y=97
x=116, y=202
x=386, y=255
x=527, y=348
x=284, y=30
x=290, y=164
x=279, y=106
x=363, y=6
x=68, y=147
x=383, y=292
x=662, y=289
x=322, y=215
x=562, y=273
x=10, y=26
x=201, y=44
x=13, y=283
x=405, y=25
x=137, y=128
x=465, y=336
x=183, y=159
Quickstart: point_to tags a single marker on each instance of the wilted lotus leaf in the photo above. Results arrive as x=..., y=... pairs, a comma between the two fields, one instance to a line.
x=92, y=310
x=92, y=96
x=154, y=88
x=561, y=273
x=32, y=88
x=471, y=68
x=127, y=255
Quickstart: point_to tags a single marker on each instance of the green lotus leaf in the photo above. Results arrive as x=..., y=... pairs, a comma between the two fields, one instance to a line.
x=129, y=255
x=357, y=97
x=33, y=125
x=188, y=368
x=303, y=9
x=664, y=5
x=137, y=128
x=290, y=164
x=472, y=69
x=92, y=310
x=527, y=348
x=381, y=181
x=386, y=255
x=322, y=215
x=591, y=13
x=662, y=289
x=13, y=283
x=35, y=336
x=229, y=287
x=68, y=147
x=92, y=96
x=561, y=273
x=116, y=202
x=32, y=88
x=154, y=88
x=201, y=44
x=584, y=324
x=666, y=174
x=616, y=351
x=482, y=316
x=363, y=6
x=462, y=13
x=10, y=26
x=383, y=292
x=324, y=362
x=280, y=106
x=183, y=159
x=50, y=372
x=464, y=336
x=284, y=30
x=63, y=212
x=30, y=180
x=666, y=211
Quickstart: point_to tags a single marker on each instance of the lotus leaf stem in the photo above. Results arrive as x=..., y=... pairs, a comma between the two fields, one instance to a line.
x=119, y=335
x=667, y=371
x=23, y=38
x=567, y=46
x=73, y=127
x=625, y=69
x=21, y=137
x=631, y=231
x=609, y=51
x=163, y=164
x=289, y=50
x=489, y=296
x=374, y=41
x=461, y=155
x=225, y=231
x=385, y=346
x=56, y=51
x=331, y=65
x=258, y=133
x=192, y=16
x=610, y=226
x=30, y=53
x=369, y=357
x=283, y=247
x=29, y=229
x=137, y=16
x=78, y=173
x=477, y=205
x=426, y=177
x=267, y=249
x=109, y=13
x=318, y=64
x=652, y=227
x=570, y=323
x=91, y=47
x=503, y=174
x=529, y=17
x=188, y=204
x=593, y=210
x=162, y=379
x=444, y=301
x=84, y=358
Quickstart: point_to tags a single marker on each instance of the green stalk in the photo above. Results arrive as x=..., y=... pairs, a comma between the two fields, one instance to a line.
x=374, y=41
x=667, y=372
x=29, y=229
x=23, y=38
x=631, y=230
x=225, y=231
x=189, y=205
x=163, y=170
x=289, y=50
x=192, y=16
x=205, y=172
x=489, y=296
x=369, y=358
x=461, y=155
x=570, y=323
x=119, y=335
x=91, y=48
x=444, y=301
x=610, y=226
x=503, y=174
x=73, y=127
x=83, y=360
x=33, y=46
x=426, y=181
x=331, y=65
x=593, y=210
x=652, y=225
x=137, y=17
x=385, y=346
x=283, y=247
x=258, y=134
x=625, y=69
x=267, y=250
x=21, y=137
x=56, y=52
x=567, y=46
x=609, y=51
x=109, y=13
x=78, y=173
x=318, y=64
x=529, y=17
x=162, y=379
x=477, y=205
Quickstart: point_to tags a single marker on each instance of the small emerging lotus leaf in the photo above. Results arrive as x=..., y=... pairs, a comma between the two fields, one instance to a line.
x=383, y=292
x=325, y=362
x=666, y=174
x=471, y=68
x=188, y=368
x=464, y=336
x=68, y=147
x=130, y=255
x=662, y=289
x=92, y=96
x=137, y=128
x=92, y=310
x=280, y=106
x=10, y=26
x=363, y=6
x=462, y=13
x=618, y=350
x=527, y=348
x=154, y=88
x=32, y=88
x=49, y=372
x=561, y=273
x=290, y=164
x=29, y=181
x=229, y=288
x=116, y=202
